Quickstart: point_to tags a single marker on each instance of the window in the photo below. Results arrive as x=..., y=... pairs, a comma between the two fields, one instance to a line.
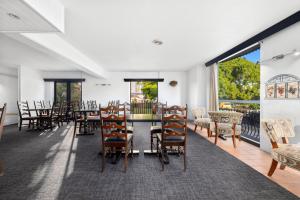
x=239, y=78
x=239, y=90
x=67, y=91
x=142, y=96
x=143, y=91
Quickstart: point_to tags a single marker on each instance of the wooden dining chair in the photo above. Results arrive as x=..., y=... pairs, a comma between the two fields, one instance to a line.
x=2, y=118
x=25, y=115
x=174, y=132
x=154, y=129
x=52, y=117
x=112, y=134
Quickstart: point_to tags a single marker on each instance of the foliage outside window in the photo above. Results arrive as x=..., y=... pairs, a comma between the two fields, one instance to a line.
x=239, y=79
x=144, y=91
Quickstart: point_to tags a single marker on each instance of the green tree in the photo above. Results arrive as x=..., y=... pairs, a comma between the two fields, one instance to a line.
x=150, y=90
x=239, y=79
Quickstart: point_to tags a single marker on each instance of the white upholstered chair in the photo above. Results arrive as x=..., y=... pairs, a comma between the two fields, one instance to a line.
x=278, y=131
x=227, y=123
x=200, y=120
x=2, y=118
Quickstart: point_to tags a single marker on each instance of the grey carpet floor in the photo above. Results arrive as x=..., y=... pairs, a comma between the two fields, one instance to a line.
x=53, y=165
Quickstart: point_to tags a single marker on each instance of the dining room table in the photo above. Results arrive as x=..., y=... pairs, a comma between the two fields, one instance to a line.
x=86, y=119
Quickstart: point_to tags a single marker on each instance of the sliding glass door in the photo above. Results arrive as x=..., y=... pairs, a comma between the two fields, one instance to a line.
x=67, y=91
x=61, y=91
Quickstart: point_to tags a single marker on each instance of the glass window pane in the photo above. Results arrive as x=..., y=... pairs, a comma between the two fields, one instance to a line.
x=61, y=92
x=76, y=92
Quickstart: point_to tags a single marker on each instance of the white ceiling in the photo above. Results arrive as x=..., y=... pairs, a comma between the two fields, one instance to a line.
x=28, y=20
x=14, y=53
x=118, y=34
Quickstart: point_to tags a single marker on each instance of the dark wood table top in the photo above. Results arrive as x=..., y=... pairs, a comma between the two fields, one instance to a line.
x=38, y=109
x=135, y=118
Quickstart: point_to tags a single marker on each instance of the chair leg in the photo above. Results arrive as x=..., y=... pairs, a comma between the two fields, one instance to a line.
x=233, y=141
x=216, y=137
x=132, y=148
x=157, y=146
x=273, y=167
x=151, y=143
x=184, y=158
x=103, y=159
x=208, y=132
x=195, y=127
x=20, y=126
x=239, y=137
x=162, y=158
x=126, y=159
x=75, y=126
x=282, y=166
x=233, y=138
x=1, y=168
x=201, y=128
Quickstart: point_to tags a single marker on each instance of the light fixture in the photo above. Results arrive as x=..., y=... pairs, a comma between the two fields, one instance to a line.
x=296, y=53
x=281, y=56
x=103, y=84
x=13, y=16
x=157, y=42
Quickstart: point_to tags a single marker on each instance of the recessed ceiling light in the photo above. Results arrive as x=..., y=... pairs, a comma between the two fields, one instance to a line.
x=296, y=53
x=14, y=16
x=157, y=42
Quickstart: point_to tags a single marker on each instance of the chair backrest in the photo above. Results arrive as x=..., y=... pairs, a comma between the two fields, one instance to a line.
x=226, y=117
x=157, y=107
x=2, y=118
x=278, y=129
x=198, y=112
x=111, y=109
x=113, y=125
x=23, y=109
x=174, y=121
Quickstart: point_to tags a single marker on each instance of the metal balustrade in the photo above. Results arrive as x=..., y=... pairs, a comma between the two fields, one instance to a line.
x=251, y=118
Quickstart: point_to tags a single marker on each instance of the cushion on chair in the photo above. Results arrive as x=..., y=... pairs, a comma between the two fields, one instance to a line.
x=130, y=129
x=288, y=154
x=226, y=128
x=129, y=137
x=171, y=138
x=155, y=129
x=204, y=122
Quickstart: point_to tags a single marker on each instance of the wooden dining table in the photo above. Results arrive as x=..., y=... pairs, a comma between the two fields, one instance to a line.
x=85, y=112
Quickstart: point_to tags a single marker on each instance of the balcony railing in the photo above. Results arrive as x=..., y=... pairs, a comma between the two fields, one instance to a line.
x=141, y=108
x=251, y=118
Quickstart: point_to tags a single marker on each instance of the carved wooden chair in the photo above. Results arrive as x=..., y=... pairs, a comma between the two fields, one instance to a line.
x=53, y=116
x=25, y=115
x=174, y=131
x=278, y=131
x=227, y=123
x=114, y=133
x=154, y=129
x=200, y=120
x=2, y=118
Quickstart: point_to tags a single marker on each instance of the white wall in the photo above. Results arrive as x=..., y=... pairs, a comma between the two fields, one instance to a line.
x=31, y=85
x=282, y=42
x=120, y=90
x=9, y=92
x=197, y=87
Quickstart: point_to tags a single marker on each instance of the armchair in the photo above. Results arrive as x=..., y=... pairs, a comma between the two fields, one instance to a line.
x=278, y=130
x=226, y=123
x=200, y=120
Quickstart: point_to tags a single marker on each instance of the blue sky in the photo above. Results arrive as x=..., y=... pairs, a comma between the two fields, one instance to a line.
x=253, y=56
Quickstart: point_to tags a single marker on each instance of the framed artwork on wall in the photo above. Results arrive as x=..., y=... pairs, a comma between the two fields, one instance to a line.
x=293, y=90
x=283, y=86
x=270, y=91
x=280, y=90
